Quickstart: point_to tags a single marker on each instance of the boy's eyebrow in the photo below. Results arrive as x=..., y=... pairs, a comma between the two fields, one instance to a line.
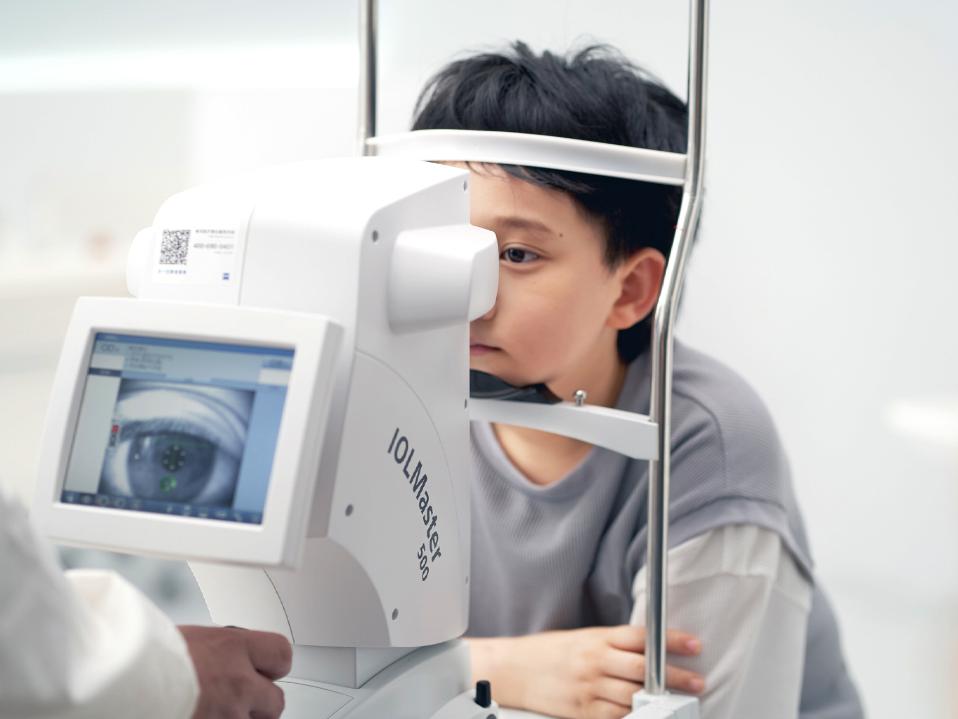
x=517, y=222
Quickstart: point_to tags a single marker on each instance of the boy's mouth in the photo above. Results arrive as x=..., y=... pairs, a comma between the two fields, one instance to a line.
x=477, y=349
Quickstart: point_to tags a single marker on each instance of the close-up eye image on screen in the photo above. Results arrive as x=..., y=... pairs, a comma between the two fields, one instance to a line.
x=176, y=426
x=176, y=442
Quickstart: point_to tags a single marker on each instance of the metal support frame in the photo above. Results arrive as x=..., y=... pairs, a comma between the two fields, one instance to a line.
x=661, y=348
x=368, y=49
x=665, y=311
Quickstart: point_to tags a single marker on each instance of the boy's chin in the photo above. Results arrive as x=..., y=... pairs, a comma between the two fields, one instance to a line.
x=510, y=375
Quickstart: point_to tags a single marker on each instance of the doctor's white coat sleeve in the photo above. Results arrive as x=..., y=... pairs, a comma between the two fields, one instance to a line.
x=81, y=644
x=738, y=589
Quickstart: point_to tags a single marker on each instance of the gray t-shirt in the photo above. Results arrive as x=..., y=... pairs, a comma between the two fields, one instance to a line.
x=565, y=555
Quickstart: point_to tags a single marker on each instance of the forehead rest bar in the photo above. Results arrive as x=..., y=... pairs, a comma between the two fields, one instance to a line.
x=516, y=148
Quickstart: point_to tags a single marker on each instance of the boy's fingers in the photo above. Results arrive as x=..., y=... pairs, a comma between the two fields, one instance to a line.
x=623, y=665
x=616, y=691
x=602, y=709
x=630, y=667
x=683, y=680
x=632, y=639
x=627, y=637
x=677, y=642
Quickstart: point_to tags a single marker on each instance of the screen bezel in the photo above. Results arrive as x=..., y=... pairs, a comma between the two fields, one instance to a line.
x=278, y=540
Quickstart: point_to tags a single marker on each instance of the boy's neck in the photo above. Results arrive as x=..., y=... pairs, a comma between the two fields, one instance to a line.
x=545, y=458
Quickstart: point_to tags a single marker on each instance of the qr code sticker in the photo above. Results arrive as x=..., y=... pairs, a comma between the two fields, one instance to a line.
x=174, y=247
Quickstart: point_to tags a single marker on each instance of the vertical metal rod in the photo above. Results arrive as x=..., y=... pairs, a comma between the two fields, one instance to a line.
x=661, y=348
x=368, y=27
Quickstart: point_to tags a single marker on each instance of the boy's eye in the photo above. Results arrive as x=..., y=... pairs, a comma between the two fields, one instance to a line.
x=518, y=255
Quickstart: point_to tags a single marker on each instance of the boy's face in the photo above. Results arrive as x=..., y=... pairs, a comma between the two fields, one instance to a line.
x=556, y=314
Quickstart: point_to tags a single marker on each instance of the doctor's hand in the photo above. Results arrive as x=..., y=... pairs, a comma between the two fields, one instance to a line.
x=588, y=673
x=236, y=669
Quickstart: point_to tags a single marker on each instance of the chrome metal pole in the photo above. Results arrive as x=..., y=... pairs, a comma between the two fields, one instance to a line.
x=661, y=348
x=368, y=27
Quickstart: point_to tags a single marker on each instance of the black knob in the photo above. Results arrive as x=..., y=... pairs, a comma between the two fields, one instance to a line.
x=483, y=694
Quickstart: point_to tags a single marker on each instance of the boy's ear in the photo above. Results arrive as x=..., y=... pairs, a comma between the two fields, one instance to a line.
x=640, y=279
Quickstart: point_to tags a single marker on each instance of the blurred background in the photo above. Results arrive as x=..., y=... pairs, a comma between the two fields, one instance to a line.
x=824, y=271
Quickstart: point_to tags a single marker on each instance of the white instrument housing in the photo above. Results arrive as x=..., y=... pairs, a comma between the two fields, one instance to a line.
x=369, y=271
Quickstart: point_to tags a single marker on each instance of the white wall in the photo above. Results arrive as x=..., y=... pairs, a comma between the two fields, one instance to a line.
x=823, y=273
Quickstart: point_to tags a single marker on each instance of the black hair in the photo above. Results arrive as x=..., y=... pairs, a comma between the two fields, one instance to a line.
x=592, y=94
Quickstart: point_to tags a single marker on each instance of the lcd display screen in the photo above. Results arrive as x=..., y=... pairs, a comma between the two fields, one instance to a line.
x=177, y=426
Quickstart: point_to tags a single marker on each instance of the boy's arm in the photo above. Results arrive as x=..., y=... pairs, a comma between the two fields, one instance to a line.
x=588, y=673
x=739, y=590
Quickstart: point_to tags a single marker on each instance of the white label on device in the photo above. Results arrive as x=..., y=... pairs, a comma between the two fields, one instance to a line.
x=199, y=256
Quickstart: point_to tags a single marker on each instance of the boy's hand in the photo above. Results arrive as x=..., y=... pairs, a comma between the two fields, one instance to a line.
x=588, y=673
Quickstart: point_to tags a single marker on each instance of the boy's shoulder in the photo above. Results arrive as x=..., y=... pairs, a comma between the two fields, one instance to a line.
x=721, y=425
x=728, y=465
x=716, y=388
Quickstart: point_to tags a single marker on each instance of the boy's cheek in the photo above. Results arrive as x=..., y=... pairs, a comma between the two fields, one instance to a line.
x=535, y=334
x=531, y=362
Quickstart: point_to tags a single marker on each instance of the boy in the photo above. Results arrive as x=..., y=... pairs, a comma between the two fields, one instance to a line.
x=559, y=526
